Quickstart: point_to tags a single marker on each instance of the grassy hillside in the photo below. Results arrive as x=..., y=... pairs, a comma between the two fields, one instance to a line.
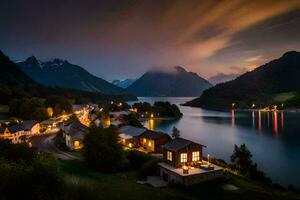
x=123, y=186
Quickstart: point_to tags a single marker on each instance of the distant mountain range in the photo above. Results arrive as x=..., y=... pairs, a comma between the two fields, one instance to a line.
x=260, y=86
x=63, y=74
x=123, y=83
x=14, y=83
x=221, y=78
x=174, y=83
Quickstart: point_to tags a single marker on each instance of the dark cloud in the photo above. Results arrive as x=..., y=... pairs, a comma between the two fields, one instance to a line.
x=120, y=39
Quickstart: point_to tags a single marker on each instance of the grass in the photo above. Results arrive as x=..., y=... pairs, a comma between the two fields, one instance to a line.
x=282, y=97
x=123, y=186
x=4, y=109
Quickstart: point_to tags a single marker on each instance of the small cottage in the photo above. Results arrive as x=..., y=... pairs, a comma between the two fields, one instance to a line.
x=74, y=133
x=13, y=133
x=31, y=127
x=182, y=163
x=129, y=135
x=153, y=141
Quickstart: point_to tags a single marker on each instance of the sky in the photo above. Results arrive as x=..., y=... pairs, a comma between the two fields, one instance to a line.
x=118, y=39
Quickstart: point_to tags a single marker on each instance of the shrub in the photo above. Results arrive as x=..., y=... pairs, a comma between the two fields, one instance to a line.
x=149, y=168
x=102, y=150
x=16, y=152
x=137, y=158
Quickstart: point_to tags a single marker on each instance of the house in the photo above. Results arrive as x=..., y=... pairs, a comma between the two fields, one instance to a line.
x=152, y=141
x=129, y=135
x=49, y=123
x=12, y=133
x=31, y=127
x=182, y=163
x=74, y=133
x=179, y=152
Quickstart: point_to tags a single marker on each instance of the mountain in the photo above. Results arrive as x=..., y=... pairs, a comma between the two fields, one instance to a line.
x=174, y=83
x=221, y=78
x=123, y=83
x=260, y=86
x=63, y=74
x=11, y=73
x=14, y=84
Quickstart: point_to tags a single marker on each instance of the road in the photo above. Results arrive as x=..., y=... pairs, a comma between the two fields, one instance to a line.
x=46, y=144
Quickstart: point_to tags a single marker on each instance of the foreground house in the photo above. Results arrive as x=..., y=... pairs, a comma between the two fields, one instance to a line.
x=74, y=133
x=183, y=164
x=153, y=141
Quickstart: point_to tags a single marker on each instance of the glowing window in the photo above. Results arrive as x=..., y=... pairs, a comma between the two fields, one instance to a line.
x=149, y=144
x=169, y=155
x=196, y=156
x=183, y=157
x=130, y=145
x=76, y=144
x=145, y=140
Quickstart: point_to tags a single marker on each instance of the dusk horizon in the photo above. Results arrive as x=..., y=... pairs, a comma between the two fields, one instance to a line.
x=106, y=37
x=150, y=99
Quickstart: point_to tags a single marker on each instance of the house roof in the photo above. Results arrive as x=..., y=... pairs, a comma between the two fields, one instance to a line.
x=130, y=131
x=16, y=128
x=178, y=143
x=153, y=135
x=28, y=124
x=48, y=122
x=75, y=129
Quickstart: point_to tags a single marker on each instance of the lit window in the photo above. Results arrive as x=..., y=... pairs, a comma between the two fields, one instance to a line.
x=196, y=156
x=76, y=144
x=169, y=155
x=130, y=145
x=144, y=140
x=183, y=157
x=149, y=144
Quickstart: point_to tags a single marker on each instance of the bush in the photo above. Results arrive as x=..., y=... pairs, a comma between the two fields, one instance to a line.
x=16, y=152
x=37, y=180
x=149, y=168
x=137, y=158
x=132, y=120
x=102, y=150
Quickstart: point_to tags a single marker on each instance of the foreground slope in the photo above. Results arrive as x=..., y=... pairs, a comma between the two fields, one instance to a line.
x=259, y=86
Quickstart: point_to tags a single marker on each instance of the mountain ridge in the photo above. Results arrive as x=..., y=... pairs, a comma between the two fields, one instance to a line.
x=62, y=73
x=175, y=82
x=258, y=86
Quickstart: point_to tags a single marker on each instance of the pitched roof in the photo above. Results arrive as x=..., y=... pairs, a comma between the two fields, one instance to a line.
x=76, y=129
x=130, y=131
x=16, y=128
x=178, y=143
x=153, y=135
x=28, y=124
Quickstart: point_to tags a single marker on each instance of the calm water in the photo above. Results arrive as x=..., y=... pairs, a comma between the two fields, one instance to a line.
x=273, y=138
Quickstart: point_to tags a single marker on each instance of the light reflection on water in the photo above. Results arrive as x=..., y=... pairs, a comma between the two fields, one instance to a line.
x=272, y=137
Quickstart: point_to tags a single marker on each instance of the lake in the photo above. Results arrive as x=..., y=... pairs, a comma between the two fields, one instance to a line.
x=272, y=137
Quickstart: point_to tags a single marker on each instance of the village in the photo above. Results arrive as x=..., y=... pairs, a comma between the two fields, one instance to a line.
x=181, y=162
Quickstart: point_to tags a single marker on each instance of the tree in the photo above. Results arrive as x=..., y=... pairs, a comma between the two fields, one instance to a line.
x=132, y=120
x=102, y=150
x=241, y=158
x=175, y=133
